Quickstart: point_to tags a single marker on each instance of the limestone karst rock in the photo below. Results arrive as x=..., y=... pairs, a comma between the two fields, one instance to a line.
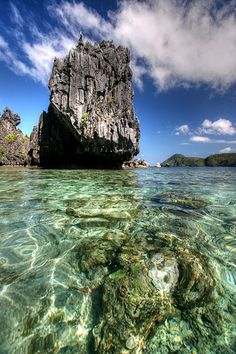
x=90, y=120
x=13, y=144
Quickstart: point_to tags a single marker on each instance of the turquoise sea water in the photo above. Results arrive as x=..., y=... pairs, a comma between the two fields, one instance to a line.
x=138, y=261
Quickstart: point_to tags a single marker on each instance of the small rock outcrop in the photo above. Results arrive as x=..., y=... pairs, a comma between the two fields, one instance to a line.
x=135, y=164
x=90, y=120
x=14, y=145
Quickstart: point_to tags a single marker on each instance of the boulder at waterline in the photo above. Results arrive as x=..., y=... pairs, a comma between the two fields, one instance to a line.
x=135, y=164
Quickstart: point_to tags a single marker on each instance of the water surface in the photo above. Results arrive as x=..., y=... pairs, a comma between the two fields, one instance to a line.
x=138, y=261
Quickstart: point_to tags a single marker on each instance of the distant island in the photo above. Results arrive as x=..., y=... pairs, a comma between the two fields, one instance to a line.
x=217, y=160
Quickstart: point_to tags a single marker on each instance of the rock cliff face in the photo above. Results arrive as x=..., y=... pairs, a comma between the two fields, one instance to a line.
x=91, y=120
x=13, y=144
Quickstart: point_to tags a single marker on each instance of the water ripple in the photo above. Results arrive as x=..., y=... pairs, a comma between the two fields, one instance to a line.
x=68, y=238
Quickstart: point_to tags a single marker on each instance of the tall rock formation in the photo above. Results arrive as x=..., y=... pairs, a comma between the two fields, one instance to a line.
x=90, y=120
x=13, y=144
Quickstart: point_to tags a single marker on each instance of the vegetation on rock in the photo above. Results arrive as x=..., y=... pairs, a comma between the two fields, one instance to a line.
x=11, y=138
x=14, y=145
x=145, y=281
x=2, y=151
x=25, y=139
x=221, y=160
x=179, y=160
x=84, y=118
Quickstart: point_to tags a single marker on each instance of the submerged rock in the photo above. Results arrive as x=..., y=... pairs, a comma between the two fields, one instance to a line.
x=146, y=290
x=91, y=119
x=13, y=144
x=131, y=306
x=164, y=273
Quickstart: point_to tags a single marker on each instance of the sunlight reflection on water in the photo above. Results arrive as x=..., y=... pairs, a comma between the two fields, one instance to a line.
x=70, y=238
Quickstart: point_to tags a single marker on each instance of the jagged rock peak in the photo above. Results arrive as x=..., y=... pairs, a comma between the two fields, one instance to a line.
x=91, y=119
x=13, y=144
x=10, y=118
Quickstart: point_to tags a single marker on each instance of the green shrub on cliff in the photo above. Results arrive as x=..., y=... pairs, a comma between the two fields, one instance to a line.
x=84, y=118
x=25, y=139
x=2, y=151
x=11, y=138
x=110, y=99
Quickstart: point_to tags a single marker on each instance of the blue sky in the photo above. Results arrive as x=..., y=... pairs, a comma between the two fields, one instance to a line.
x=183, y=62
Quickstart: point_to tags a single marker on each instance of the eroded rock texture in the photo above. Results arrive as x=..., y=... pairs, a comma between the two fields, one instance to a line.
x=90, y=120
x=13, y=144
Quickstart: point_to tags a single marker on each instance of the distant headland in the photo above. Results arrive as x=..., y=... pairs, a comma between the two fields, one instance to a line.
x=217, y=160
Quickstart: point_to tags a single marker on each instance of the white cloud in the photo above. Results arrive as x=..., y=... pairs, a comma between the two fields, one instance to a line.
x=138, y=72
x=42, y=54
x=177, y=42
x=221, y=126
x=226, y=150
x=204, y=139
x=3, y=43
x=200, y=139
x=224, y=141
x=15, y=15
x=181, y=44
x=182, y=129
x=77, y=16
x=8, y=56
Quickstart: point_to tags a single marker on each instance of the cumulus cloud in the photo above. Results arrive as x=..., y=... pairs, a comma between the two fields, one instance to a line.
x=177, y=42
x=226, y=150
x=200, y=139
x=221, y=126
x=182, y=129
x=180, y=43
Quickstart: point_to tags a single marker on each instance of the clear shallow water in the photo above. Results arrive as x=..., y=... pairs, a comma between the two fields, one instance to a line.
x=117, y=261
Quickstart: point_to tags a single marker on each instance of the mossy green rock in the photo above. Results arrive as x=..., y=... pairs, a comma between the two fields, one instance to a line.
x=142, y=289
x=132, y=303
